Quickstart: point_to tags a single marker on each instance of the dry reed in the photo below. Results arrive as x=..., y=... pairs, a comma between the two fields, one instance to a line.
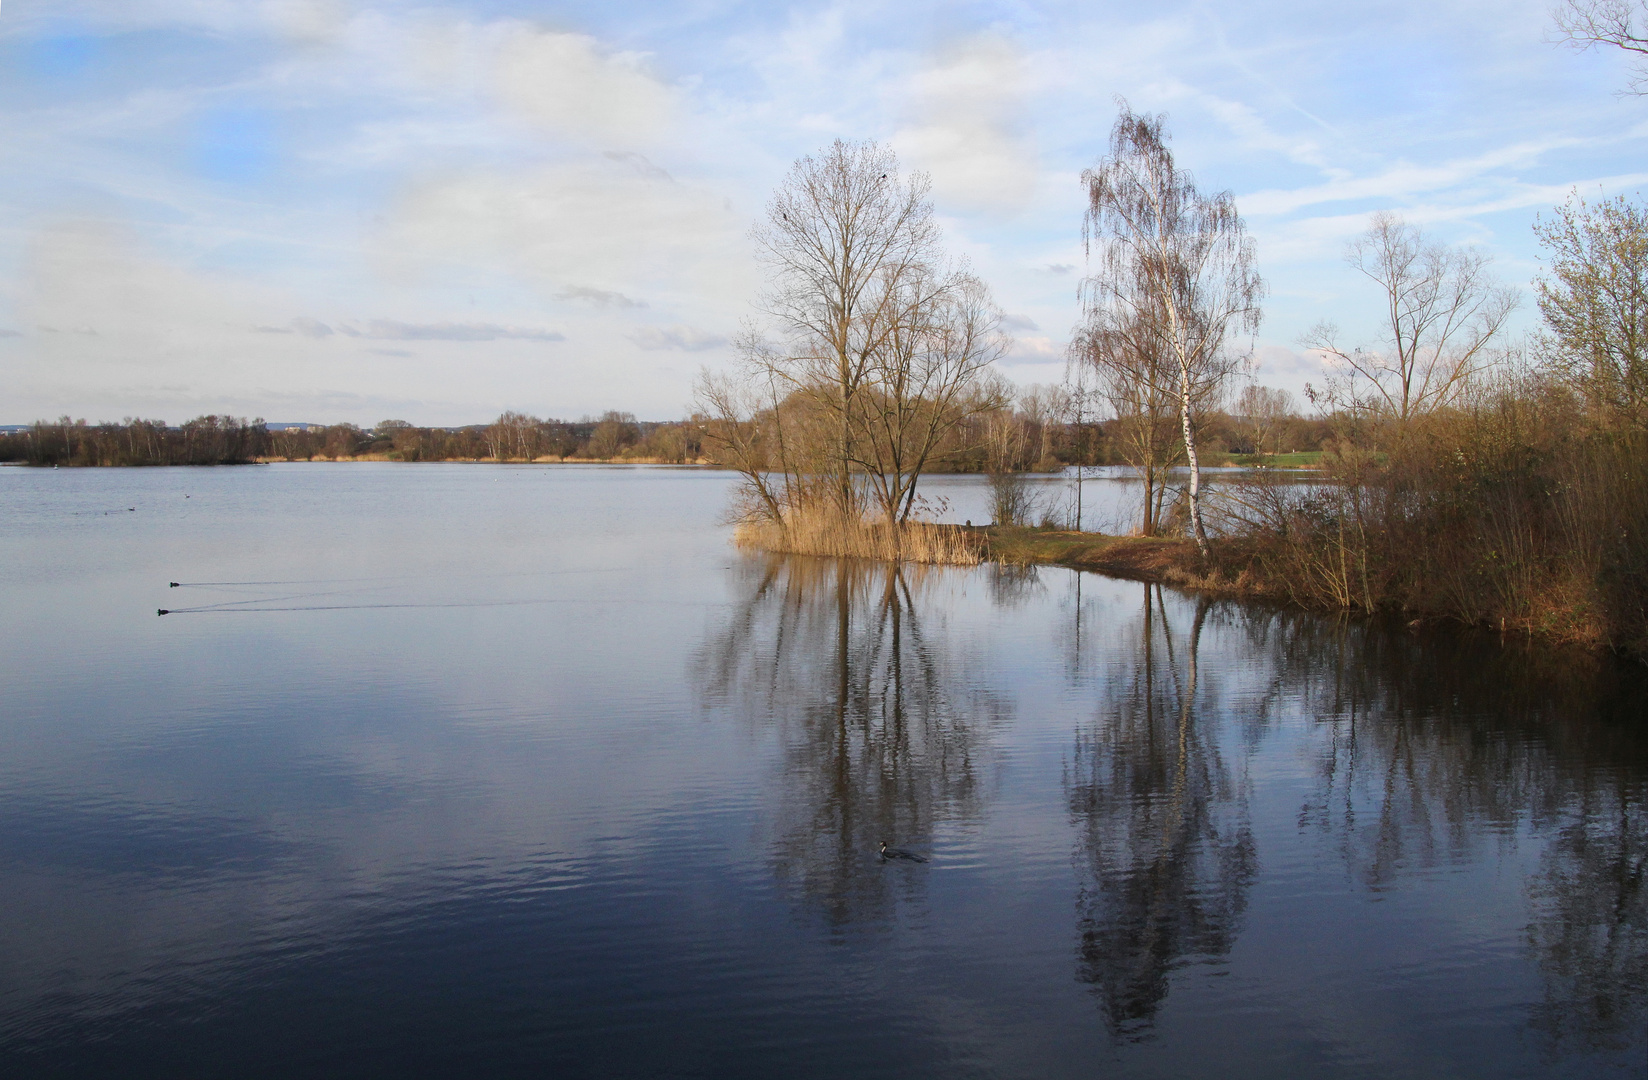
x=811, y=532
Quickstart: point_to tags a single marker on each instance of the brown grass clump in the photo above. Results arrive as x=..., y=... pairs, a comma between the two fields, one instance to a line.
x=815, y=532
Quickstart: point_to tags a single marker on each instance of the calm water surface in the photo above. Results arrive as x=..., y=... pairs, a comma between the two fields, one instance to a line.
x=484, y=771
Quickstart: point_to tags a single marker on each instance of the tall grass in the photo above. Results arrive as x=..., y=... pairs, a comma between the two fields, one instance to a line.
x=821, y=530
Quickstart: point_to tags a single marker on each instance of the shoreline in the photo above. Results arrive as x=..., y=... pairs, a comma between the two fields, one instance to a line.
x=276, y=459
x=1233, y=573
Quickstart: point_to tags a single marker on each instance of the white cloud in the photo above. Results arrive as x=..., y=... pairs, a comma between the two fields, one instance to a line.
x=574, y=222
x=640, y=164
x=684, y=338
x=130, y=332
x=1402, y=179
x=570, y=85
x=599, y=297
x=391, y=330
x=1279, y=362
x=1037, y=349
x=394, y=330
x=307, y=21
x=970, y=128
x=453, y=171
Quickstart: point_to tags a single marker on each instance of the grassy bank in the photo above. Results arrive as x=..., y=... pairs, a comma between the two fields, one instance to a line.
x=1141, y=558
x=1303, y=460
x=1522, y=508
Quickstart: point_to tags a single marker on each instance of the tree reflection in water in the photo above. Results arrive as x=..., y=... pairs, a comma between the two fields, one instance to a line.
x=1166, y=849
x=1432, y=742
x=1012, y=586
x=1428, y=748
x=882, y=730
x=1590, y=930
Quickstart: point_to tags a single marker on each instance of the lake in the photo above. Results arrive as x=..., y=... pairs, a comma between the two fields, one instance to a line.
x=493, y=771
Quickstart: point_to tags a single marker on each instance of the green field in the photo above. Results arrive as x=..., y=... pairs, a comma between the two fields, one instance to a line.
x=1309, y=459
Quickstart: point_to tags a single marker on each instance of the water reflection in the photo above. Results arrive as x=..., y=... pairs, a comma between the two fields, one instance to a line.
x=1013, y=586
x=1590, y=931
x=882, y=733
x=1433, y=745
x=499, y=840
x=1165, y=844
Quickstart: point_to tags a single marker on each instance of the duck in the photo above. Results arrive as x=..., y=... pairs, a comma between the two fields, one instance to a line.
x=899, y=853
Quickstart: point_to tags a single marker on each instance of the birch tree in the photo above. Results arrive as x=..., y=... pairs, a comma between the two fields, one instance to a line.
x=1175, y=264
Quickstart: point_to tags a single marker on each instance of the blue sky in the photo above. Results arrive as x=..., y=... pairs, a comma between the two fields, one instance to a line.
x=351, y=210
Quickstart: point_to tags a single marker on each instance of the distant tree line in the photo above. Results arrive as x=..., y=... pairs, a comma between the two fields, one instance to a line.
x=227, y=440
x=1040, y=432
x=513, y=436
x=205, y=440
x=1035, y=432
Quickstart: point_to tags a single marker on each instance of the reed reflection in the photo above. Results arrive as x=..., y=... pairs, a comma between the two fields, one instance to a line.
x=1431, y=744
x=882, y=731
x=1165, y=844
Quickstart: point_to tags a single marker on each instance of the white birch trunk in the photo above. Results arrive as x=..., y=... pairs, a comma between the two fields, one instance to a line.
x=1195, y=465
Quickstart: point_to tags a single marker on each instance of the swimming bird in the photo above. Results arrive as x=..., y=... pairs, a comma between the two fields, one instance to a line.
x=900, y=853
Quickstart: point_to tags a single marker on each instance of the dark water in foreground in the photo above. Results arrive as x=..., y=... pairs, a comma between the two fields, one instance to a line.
x=470, y=771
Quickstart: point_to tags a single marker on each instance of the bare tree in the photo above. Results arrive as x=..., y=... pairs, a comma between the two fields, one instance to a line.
x=1175, y=265
x=613, y=433
x=877, y=352
x=1008, y=438
x=743, y=429
x=1044, y=405
x=1442, y=310
x=510, y=436
x=1595, y=302
x=1584, y=24
x=842, y=235
x=1135, y=378
x=1080, y=401
x=1263, y=410
x=924, y=378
